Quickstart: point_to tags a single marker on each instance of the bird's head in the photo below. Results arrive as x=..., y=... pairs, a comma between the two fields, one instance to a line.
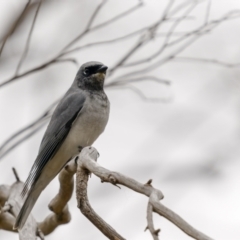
x=91, y=76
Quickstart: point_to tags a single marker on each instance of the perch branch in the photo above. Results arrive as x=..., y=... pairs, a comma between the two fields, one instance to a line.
x=82, y=199
x=88, y=161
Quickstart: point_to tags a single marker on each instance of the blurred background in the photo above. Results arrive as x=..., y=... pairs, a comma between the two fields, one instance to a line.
x=173, y=83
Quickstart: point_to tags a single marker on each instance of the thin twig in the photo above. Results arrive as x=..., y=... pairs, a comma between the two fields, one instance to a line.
x=107, y=22
x=35, y=126
x=207, y=12
x=16, y=174
x=143, y=39
x=137, y=79
x=88, y=26
x=197, y=34
x=62, y=53
x=129, y=35
x=15, y=25
x=21, y=140
x=95, y=13
x=25, y=51
x=119, y=16
x=141, y=94
x=206, y=60
x=35, y=69
x=166, y=41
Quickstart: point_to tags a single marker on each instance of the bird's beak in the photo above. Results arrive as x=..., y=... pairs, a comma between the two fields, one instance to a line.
x=102, y=69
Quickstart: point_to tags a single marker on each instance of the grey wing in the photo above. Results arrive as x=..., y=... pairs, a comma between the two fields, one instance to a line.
x=58, y=129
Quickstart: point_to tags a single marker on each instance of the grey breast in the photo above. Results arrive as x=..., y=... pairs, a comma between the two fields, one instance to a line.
x=91, y=121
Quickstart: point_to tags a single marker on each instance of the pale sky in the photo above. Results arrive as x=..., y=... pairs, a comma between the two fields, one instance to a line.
x=188, y=144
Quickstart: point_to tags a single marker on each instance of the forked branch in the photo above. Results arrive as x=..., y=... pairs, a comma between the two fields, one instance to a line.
x=87, y=163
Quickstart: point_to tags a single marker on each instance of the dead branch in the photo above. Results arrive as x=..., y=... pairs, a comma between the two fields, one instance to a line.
x=58, y=204
x=24, y=133
x=88, y=158
x=87, y=30
x=168, y=36
x=205, y=60
x=150, y=225
x=11, y=209
x=15, y=25
x=4, y=194
x=86, y=164
x=7, y=221
x=25, y=51
x=148, y=35
x=140, y=94
x=82, y=198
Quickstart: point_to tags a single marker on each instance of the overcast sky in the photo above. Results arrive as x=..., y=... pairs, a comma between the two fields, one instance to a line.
x=188, y=143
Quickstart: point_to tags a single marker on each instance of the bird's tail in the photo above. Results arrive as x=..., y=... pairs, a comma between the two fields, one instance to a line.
x=26, y=208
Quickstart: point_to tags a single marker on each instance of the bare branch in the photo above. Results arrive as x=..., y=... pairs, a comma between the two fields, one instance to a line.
x=73, y=60
x=88, y=26
x=11, y=143
x=161, y=61
x=137, y=79
x=141, y=94
x=7, y=221
x=110, y=21
x=143, y=39
x=12, y=206
x=22, y=139
x=58, y=204
x=25, y=51
x=119, y=16
x=35, y=69
x=88, y=160
x=4, y=194
x=56, y=59
x=150, y=225
x=205, y=60
x=66, y=188
x=83, y=203
x=16, y=174
x=15, y=25
x=168, y=36
x=129, y=35
x=95, y=13
x=207, y=12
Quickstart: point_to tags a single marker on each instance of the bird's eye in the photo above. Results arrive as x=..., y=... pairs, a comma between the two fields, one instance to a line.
x=86, y=72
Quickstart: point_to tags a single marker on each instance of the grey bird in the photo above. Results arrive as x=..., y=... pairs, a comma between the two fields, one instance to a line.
x=80, y=117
